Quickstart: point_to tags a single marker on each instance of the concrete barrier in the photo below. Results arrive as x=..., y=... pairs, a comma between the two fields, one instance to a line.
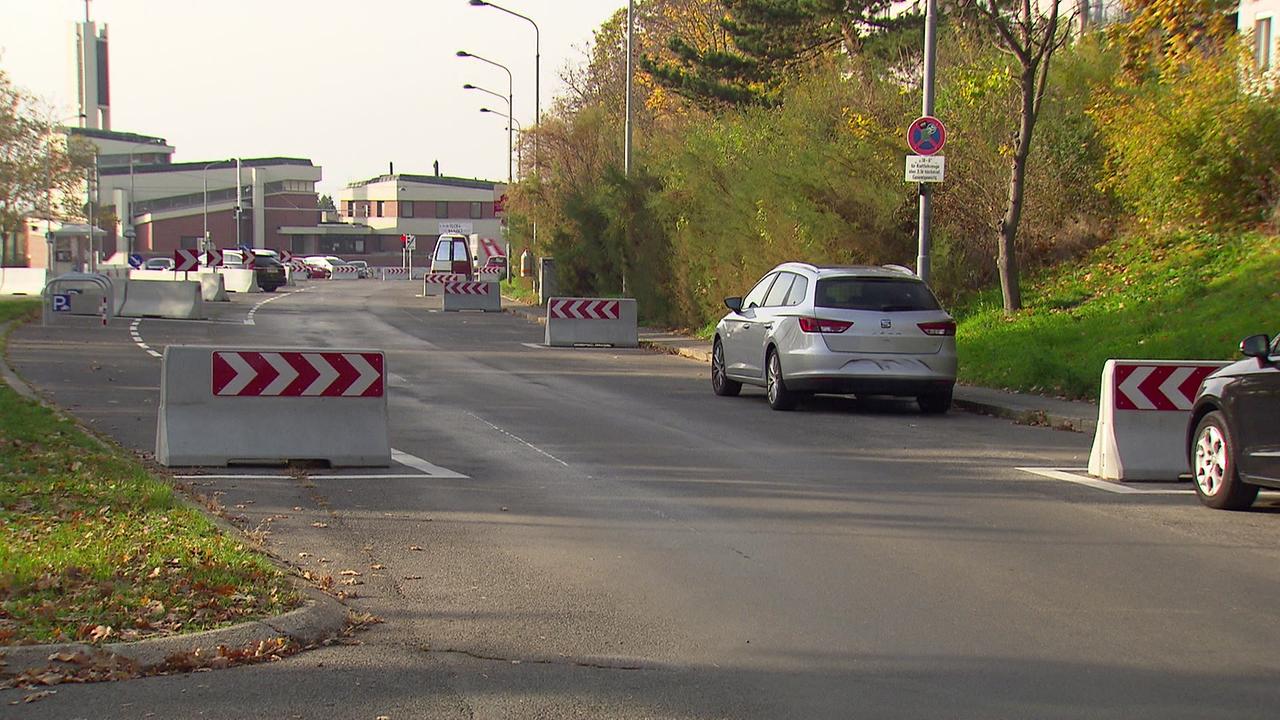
x=345, y=272
x=181, y=300
x=239, y=280
x=433, y=283
x=1142, y=418
x=592, y=321
x=221, y=406
x=391, y=273
x=23, y=281
x=472, y=296
x=212, y=286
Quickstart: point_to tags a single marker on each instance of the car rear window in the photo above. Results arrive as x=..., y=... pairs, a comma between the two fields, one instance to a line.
x=881, y=294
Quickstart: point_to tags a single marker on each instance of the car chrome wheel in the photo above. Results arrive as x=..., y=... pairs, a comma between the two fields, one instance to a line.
x=1210, y=461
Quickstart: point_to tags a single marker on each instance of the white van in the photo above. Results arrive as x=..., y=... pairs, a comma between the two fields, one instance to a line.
x=453, y=255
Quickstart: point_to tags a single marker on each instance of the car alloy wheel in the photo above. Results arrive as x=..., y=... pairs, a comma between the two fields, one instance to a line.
x=780, y=398
x=1217, y=483
x=720, y=382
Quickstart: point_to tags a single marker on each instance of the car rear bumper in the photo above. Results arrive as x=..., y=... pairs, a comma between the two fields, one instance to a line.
x=822, y=371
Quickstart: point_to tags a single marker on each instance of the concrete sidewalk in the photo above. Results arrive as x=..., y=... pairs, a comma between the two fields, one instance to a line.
x=1023, y=408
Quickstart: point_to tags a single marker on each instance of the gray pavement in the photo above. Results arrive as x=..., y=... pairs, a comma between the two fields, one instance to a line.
x=616, y=542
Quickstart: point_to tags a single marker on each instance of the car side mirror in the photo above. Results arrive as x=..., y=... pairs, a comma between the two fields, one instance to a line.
x=733, y=303
x=1255, y=346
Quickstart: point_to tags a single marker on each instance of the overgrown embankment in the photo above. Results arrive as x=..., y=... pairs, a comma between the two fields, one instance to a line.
x=1188, y=296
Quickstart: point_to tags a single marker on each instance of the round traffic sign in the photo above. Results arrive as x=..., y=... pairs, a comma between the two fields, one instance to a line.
x=926, y=135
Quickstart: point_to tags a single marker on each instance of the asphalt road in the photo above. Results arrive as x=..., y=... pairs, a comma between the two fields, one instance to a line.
x=616, y=542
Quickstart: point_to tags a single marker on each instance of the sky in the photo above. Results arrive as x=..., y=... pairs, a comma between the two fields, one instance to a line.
x=351, y=85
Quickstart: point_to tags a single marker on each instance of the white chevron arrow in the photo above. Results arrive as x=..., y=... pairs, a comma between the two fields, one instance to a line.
x=1129, y=388
x=287, y=374
x=368, y=375
x=1170, y=387
x=327, y=374
x=244, y=374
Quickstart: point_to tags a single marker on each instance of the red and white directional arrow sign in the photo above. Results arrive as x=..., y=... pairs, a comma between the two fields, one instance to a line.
x=1170, y=386
x=583, y=309
x=184, y=260
x=213, y=257
x=466, y=288
x=297, y=374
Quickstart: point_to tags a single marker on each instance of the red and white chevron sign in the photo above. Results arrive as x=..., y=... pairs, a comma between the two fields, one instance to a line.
x=490, y=271
x=1159, y=386
x=286, y=257
x=213, y=257
x=466, y=288
x=441, y=278
x=298, y=265
x=297, y=374
x=346, y=270
x=184, y=260
x=580, y=309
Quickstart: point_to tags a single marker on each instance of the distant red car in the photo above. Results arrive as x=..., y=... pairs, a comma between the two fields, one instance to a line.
x=315, y=272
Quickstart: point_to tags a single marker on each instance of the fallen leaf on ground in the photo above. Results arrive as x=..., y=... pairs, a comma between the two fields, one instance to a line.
x=350, y=573
x=378, y=566
x=319, y=525
x=38, y=696
x=417, y=548
x=412, y=577
x=304, y=554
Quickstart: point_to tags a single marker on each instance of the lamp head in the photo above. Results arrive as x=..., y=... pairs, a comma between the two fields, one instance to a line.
x=468, y=86
x=485, y=110
x=463, y=53
x=478, y=3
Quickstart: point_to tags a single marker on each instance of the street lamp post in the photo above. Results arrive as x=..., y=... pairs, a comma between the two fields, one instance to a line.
x=510, y=98
x=204, y=176
x=537, y=72
x=469, y=86
x=511, y=121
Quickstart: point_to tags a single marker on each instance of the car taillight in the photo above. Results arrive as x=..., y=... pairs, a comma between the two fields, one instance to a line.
x=947, y=328
x=816, y=325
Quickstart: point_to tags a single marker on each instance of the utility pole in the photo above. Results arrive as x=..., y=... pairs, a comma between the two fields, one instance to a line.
x=626, y=140
x=926, y=191
x=237, y=210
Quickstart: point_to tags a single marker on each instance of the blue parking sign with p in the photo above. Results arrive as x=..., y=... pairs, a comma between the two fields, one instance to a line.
x=62, y=302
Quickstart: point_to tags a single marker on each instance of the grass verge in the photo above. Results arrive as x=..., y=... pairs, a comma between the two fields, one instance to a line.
x=94, y=548
x=1190, y=296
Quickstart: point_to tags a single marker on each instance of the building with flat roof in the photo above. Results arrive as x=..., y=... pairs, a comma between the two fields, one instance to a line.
x=374, y=213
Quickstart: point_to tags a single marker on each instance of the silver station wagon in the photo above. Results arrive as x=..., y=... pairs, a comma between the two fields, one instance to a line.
x=807, y=329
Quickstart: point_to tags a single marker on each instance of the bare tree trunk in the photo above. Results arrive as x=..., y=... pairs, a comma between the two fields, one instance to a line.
x=1007, y=259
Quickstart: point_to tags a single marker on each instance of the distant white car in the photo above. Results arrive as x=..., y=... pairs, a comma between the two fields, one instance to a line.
x=158, y=263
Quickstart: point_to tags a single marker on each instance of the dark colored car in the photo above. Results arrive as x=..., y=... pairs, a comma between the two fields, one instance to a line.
x=268, y=272
x=1233, y=439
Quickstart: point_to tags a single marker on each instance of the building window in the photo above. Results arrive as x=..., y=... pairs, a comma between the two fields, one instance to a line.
x=190, y=242
x=1262, y=43
x=379, y=208
x=406, y=208
x=442, y=209
x=351, y=208
x=477, y=210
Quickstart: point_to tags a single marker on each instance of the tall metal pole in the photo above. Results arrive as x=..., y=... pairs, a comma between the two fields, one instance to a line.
x=626, y=140
x=237, y=212
x=926, y=191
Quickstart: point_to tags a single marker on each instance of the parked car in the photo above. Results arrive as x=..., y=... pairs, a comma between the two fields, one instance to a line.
x=453, y=255
x=807, y=329
x=158, y=263
x=328, y=262
x=315, y=272
x=1233, y=437
x=362, y=267
x=268, y=272
x=496, y=263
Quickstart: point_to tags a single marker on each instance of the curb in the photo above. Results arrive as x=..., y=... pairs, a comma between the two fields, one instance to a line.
x=1025, y=417
x=320, y=618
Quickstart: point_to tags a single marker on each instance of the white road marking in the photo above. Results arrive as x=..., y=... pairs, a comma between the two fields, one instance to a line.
x=1080, y=476
x=248, y=320
x=418, y=463
x=136, y=334
x=536, y=346
x=519, y=439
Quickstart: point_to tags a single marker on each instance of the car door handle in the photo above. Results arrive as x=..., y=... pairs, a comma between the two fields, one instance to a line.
x=746, y=326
